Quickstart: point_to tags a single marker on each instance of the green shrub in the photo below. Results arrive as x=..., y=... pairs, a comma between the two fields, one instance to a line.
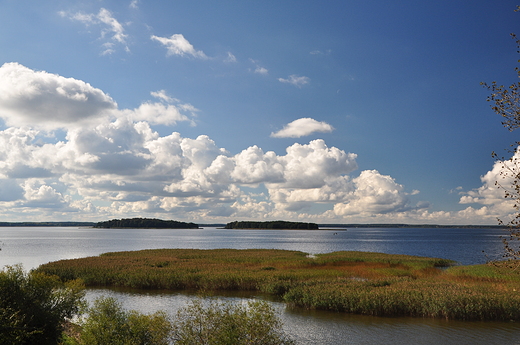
x=224, y=323
x=109, y=323
x=34, y=307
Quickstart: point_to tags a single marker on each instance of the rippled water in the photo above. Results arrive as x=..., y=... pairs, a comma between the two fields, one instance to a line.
x=34, y=246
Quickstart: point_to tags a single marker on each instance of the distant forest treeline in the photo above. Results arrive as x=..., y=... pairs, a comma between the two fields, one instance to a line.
x=278, y=224
x=139, y=223
x=12, y=224
x=146, y=224
x=429, y=226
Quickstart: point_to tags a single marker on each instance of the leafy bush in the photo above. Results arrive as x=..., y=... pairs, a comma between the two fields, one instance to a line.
x=224, y=323
x=109, y=323
x=218, y=323
x=34, y=307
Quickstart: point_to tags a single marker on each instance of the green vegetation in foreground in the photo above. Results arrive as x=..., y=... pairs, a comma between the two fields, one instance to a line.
x=146, y=223
x=34, y=307
x=108, y=323
x=223, y=323
x=353, y=282
x=198, y=323
x=277, y=224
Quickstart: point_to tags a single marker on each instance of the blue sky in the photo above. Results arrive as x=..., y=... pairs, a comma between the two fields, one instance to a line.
x=331, y=112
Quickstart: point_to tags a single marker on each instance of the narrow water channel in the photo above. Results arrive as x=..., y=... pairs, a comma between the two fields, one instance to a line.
x=312, y=327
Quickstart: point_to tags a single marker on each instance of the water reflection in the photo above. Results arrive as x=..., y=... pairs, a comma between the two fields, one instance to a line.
x=35, y=246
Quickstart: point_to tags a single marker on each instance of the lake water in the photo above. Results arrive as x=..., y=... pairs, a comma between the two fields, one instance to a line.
x=32, y=246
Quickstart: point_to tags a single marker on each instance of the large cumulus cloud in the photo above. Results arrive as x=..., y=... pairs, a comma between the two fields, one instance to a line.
x=45, y=100
x=373, y=193
x=489, y=199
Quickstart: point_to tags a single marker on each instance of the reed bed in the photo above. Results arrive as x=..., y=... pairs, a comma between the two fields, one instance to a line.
x=354, y=282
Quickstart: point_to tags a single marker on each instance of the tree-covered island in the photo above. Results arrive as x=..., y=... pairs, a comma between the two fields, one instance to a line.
x=277, y=224
x=145, y=223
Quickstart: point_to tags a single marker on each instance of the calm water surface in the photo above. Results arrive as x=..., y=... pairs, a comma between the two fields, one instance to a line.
x=35, y=246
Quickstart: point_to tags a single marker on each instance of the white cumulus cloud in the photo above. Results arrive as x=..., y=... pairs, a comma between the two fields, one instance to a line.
x=373, y=193
x=178, y=45
x=302, y=127
x=295, y=80
x=261, y=70
x=253, y=166
x=109, y=162
x=308, y=166
x=47, y=100
x=156, y=114
x=38, y=194
x=495, y=183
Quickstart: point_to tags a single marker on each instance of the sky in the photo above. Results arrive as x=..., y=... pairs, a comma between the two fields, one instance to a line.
x=213, y=111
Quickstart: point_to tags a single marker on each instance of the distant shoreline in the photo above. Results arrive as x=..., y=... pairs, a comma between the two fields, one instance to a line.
x=49, y=224
x=322, y=226
x=430, y=226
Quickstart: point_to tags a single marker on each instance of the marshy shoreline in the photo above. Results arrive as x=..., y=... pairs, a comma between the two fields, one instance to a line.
x=346, y=281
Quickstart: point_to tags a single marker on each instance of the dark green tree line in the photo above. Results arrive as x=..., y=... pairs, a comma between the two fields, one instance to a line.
x=145, y=223
x=274, y=225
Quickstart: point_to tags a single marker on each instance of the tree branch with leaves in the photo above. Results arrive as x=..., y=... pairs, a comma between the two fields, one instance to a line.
x=506, y=103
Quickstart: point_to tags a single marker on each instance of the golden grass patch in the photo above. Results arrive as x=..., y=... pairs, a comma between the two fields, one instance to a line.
x=354, y=282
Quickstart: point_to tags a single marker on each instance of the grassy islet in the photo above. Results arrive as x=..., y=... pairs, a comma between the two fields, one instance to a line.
x=354, y=282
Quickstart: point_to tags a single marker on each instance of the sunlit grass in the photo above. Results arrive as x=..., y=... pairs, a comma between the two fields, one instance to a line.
x=354, y=282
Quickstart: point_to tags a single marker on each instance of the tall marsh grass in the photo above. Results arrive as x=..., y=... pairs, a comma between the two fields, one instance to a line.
x=353, y=282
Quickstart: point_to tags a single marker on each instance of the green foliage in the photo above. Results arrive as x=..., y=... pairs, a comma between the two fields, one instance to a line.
x=145, y=223
x=506, y=103
x=506, y=99
x=221, y=324
x=217, y=323
x=35, y=306
x=278, y=224
x=109, y=323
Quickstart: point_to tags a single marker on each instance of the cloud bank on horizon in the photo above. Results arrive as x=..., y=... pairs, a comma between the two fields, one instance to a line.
x=110, y=162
